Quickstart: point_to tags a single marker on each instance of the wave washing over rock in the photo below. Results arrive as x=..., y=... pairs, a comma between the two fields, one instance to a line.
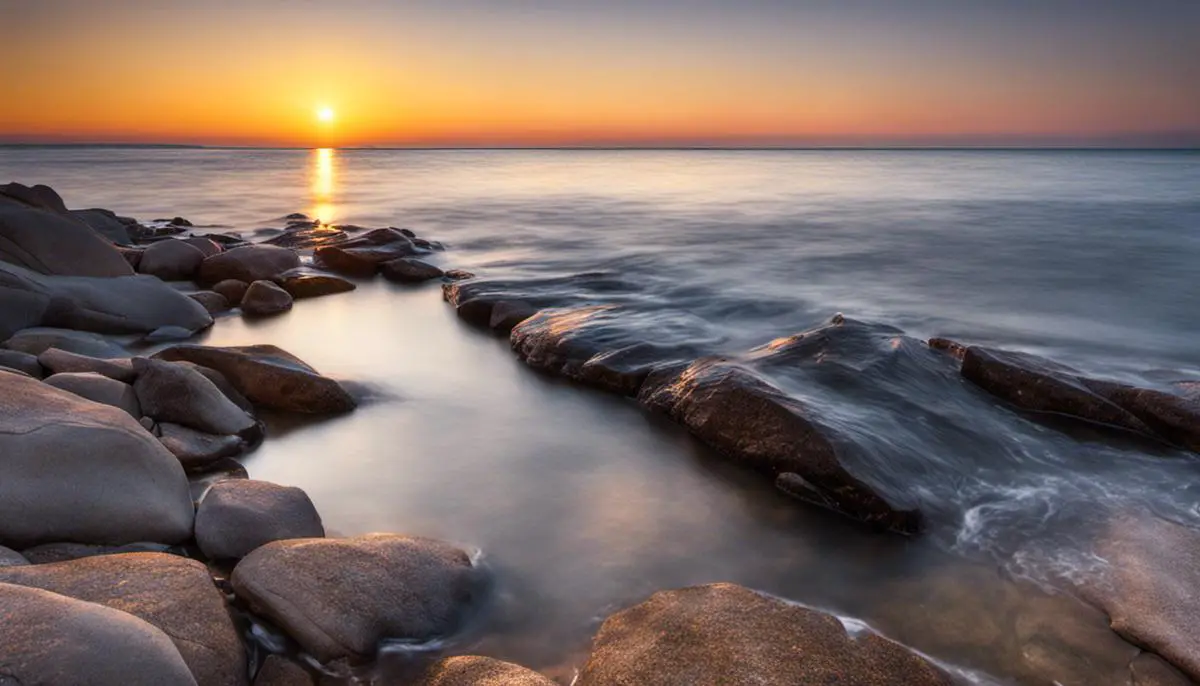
x=1048, y=475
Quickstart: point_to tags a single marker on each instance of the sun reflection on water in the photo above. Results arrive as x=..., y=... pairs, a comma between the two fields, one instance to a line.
x=322, y=173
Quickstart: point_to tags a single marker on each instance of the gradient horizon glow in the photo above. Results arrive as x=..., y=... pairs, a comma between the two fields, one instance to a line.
x=569, y=72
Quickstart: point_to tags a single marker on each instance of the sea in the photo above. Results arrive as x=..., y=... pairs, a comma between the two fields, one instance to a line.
x=580, y=503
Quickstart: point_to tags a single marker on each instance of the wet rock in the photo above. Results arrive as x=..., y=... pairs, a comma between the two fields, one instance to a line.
x=61, y=362
x=280, y=671
x=232, y=289
x=98, y=388
x=195, y=449
x=91, y=644
x=213, y=302
x=473, y=670
x=22, y=362
x=362, y=256
x=102, y=456
x=457, y=274
x=408, y=270
x=207, y=246
x=952, y=348
x=1148, y=588
x=727, y=634
x=264, y=298
x=171, y=260
x=51, y=243
x=386, y=586
x=35, y=341
x=11, y=558
x=1171, y=417
x=236, y=517
x=174, y=393
x=169, y=592
x=106, y=223
x=507, y=314
x=249, y=263
x=305, y=235
x=269, y=376
x=303, y=284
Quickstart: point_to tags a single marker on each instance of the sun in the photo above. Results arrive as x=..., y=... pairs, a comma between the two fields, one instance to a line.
x=325, y=114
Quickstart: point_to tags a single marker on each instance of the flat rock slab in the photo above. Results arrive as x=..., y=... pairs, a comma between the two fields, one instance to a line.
x=109, y=482
x=269, y=376
x=341, y=597
x=172, y=593
x=473, y=670
x=236, y=517
x=58, y=361
x=724, y=634
x=52, y=639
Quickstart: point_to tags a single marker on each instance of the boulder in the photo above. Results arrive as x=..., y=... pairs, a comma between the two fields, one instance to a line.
x=218, y=379
x=302, y=236
x=474, y=670
x=171, y=260
x=98, y=388
x=35, y=341
x=48, y=553
x=128, y=304
x=239, y=516
x=264, y=298
x=11, y=558
x=409, y=270
x=58, y=361
x=269, y=376
x=40, y=197
x=363, y=255
x=207, y=246
x=174, y=393
x=248, y=263
x=277, y=670
x=56, y=244
x=109, y=480
x=196, y=449
x=211, y=301
x=52, y=639
x=341, y=597
x=507, y=314
x=170, y=592
x=105, y=223
x=22, y=362
x=301, y=284
x=726, y=634
x=232, y=289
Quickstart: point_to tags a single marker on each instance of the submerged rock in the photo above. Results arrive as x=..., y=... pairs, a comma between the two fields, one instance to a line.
x=474, y=670
x=195, y=449
x=385, y=586
x=726, y=634
x=304, y=284
x=409, y=270
x=61, y=361
x=236, y=517
x=91, y=644
x=264, y=298
x=232, y=289
x=110, y=481
x=270, y=377
x=174, y=393
x=171, y=260
x=172, y=593
x=98, y=388
x=248, y=263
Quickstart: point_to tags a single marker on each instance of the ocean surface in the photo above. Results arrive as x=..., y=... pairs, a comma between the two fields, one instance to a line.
x=582, y=504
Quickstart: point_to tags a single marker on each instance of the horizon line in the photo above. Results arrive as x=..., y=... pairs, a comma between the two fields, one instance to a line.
x=1187, y=147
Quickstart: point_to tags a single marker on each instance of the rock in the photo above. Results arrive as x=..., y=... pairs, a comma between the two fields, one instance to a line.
x=35, y=341
x=280, y=671
x=58, y=361
x=473, y=670
x=270, y=377
x=458, y=274
x=169, y=592
x=11, y=558
x=385, y=586
x=174, y=393
x=127, y=304
x=171, y=260
x=726, y=634
x=237, y=517
x=1170, y=417
x=227, y=241
x=363, y=255
x=195, y=449
x=232, y=289
x=507, y=314
x=51, y=639
x=218, y=379
x=207, y=246
x=148, y=424
x=98, y=388
x=56, y=244
x=409, y=270
x=102, y=456
x=166, y=334
x=1148, y=587
x=249, y=263
x=301, y=284
x=221, y=470
x=303, y=236
x=105, y=223
x=1149, y=669
x=952, y=348
x=40, y=197
x=264, y=298
x=213, y=302
x=22, y=362
x=132, y=255
x=48, y=553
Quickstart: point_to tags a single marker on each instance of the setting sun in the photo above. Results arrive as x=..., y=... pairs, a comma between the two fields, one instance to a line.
x=325, y=114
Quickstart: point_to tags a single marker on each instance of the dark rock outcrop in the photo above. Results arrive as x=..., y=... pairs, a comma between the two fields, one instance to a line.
x=55, y=243
x=264, y=298
x=409, y=270
x=300, y=283
x=248, y=263
x=726, y=634
x=362, y=256
x=386, y=586
x=238, y=516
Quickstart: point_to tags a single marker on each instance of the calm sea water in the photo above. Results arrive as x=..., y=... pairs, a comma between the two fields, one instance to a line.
x=583, y=504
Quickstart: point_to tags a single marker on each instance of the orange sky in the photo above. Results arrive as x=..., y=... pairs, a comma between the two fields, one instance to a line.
x=461, y=72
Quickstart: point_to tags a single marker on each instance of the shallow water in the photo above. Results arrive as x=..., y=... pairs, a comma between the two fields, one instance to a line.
x=582, y=503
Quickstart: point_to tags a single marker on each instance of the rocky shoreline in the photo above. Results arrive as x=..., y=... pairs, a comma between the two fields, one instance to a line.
x=134, y=546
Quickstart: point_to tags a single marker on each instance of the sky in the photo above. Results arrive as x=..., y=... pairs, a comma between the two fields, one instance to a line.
x=602, y=72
